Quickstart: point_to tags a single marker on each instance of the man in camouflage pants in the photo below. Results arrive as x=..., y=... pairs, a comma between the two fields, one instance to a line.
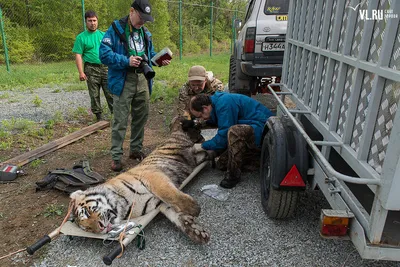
x=86, y=49
x=199, y=81
x=240, y=120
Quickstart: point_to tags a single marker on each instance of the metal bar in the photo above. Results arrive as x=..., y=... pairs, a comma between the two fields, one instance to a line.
x=317, y=82
x=296, y=70
x=327, y=143
x=304, y=58
x=299, y=111
x=211, y=25
x=337, y=24
x=297, y=20
x=307, y=34
x=326, y=89
x=326, y=23
x=385, y=72
x=338, y=92
x=314, y=38
x=83, y=15
x=3, y=36
x=180, y=30
x=367, y=32
x=326, y=166
x=309, y=79
x=284, y=93
x=377, y=221
x=352, y=111
x=302, y=20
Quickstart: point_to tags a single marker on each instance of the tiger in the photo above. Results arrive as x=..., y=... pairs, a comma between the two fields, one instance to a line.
x=153, y=181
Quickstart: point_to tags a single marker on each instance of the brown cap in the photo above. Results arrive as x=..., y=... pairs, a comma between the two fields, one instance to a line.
x=197, y=73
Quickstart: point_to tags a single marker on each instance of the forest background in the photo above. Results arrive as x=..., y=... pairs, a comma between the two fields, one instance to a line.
x=41, y=31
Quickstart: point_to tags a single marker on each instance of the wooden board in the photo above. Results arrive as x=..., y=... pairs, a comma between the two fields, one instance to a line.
x=56, y=144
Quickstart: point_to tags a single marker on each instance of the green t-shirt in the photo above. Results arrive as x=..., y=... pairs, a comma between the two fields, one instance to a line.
x=135, y=41
x=87, y=44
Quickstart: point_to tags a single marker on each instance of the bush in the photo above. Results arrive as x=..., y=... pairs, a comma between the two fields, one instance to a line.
x=19, y=43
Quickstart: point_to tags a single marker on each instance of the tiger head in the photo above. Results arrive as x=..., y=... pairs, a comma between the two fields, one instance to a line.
x=92, y=212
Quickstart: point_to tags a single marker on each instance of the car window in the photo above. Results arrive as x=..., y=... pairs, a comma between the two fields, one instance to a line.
x=250, y=10
x=276, y=7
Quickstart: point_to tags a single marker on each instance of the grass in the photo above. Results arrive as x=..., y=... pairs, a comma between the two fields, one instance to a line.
x=168, y=80
x=52, y=210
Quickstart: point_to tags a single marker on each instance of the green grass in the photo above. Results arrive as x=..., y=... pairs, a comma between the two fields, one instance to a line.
x=168, y=80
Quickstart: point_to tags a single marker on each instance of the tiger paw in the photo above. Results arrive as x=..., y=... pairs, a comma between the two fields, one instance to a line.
x=195, y=231
x=189, y=206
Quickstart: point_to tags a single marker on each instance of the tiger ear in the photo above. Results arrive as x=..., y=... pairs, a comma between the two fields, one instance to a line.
x=76, y=195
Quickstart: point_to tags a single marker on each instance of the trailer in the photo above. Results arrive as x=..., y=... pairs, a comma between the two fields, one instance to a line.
x=342, y=70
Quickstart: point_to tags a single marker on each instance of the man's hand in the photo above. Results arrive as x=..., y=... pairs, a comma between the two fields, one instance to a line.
x=134, y=61
x=187, y=124
x=165, y=62
x=82, y=77
x=198, y=148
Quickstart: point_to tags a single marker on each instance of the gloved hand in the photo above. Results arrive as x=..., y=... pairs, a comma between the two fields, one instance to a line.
x=198, y=148
x=187, y=124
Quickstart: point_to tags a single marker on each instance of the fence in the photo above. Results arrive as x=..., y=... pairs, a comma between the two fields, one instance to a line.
x=44, y=31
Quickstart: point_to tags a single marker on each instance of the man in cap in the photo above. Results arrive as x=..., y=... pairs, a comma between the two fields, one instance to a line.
x=124, y=48
x=86, y=49
x=199, y=81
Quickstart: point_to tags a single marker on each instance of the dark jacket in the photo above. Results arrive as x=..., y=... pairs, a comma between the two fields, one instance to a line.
x=114, y=53
x=231, y=109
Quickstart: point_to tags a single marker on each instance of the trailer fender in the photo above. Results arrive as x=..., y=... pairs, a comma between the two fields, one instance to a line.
x=290, y=156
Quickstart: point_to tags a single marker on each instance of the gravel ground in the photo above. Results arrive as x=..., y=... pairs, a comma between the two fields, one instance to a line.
x=17, y=104
x=241, y=235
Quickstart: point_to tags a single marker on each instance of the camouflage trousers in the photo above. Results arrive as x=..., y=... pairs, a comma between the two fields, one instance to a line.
x=242, y=152
x=96, y=78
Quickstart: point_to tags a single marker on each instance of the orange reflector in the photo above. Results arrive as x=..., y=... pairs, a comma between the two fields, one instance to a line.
x=335, y=222
x=293, y=178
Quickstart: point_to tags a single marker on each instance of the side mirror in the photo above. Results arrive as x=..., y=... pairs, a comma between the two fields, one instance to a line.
x=238, y=23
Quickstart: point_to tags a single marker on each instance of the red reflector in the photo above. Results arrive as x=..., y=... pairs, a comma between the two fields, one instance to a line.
x=293, y=178
x=249, y=46
x=8, y=169
x=334, y=230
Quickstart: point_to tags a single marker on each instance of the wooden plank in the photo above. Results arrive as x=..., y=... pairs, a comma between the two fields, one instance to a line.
x=56, y=144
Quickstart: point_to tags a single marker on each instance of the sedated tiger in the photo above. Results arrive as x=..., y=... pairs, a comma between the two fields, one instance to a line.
x=155, y=180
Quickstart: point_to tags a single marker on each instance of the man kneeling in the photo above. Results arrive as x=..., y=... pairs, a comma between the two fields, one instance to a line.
x=240, y=121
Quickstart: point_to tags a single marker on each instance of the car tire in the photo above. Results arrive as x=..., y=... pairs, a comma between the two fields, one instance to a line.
x=277, y=204
x=236, y=85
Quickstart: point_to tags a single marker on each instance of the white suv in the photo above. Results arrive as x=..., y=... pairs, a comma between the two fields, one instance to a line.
x=259, y=48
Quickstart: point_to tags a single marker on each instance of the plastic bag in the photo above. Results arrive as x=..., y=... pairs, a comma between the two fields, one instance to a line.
x=216, y=192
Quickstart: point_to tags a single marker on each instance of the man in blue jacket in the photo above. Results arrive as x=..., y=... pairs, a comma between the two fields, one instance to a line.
x=240, y=120
x=124, y=49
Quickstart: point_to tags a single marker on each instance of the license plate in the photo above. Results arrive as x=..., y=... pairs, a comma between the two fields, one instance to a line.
x=273, y=47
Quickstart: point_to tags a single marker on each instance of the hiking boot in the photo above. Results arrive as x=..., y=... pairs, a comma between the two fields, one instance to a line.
x=230, y=181
x=138, y=155
x=99, y=117
x=116, y=166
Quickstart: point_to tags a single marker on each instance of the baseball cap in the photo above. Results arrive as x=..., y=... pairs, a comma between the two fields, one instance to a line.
x=197, y=73
x=144, y=8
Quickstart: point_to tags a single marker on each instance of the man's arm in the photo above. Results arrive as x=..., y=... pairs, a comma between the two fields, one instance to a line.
x=79, y=65
x=108, y=56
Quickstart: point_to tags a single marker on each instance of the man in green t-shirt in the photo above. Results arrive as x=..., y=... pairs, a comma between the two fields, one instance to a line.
x=86, y=49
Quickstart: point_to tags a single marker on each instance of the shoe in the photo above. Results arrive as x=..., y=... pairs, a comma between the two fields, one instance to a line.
x=138, y=155
x=230, y=181
x=99, y=117
x=116, y=166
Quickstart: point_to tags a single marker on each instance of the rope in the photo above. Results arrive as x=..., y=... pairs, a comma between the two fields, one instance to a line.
x=12, y=253
x=70, y=208
x=122, y=234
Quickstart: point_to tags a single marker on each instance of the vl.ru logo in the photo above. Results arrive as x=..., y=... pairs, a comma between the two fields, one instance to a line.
x=374, y=14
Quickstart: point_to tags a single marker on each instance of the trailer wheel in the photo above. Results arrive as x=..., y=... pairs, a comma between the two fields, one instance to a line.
x=278, y=204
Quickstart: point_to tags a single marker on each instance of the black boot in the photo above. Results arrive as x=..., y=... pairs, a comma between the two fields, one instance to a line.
x=99, y=117
x=231, y=179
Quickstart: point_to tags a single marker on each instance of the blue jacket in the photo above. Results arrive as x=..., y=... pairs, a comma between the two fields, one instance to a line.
x=231, y=109
x=114, y=53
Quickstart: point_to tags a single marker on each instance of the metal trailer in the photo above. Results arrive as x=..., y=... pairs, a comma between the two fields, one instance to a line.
x=342, y=70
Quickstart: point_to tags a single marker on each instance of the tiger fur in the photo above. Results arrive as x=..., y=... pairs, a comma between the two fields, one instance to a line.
x=155, y=180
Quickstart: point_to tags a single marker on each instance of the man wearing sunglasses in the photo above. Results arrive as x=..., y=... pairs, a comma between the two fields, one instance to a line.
x=124, y=49
x=199, y=81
